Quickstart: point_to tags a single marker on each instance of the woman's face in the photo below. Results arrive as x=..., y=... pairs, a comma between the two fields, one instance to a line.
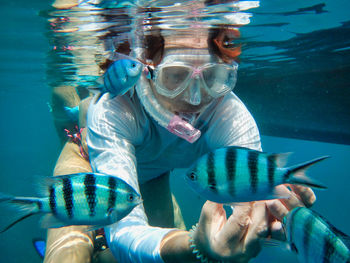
x=194, y=97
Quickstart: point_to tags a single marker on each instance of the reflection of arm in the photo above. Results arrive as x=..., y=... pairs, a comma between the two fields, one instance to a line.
x=64, y=4
x=71, y=244
x=113, y=129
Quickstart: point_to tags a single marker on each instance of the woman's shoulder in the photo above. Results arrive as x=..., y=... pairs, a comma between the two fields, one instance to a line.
x=116, y=107
x=232, y=124
x=124, y=114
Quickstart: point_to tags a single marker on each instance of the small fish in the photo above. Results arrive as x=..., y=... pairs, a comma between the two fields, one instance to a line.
x=314, y=239
x=77, y=199
x=235, y=174
x=121, y=76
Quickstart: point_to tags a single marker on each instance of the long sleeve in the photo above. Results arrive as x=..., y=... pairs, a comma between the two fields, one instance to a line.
x=233, y=125
x=112, y=132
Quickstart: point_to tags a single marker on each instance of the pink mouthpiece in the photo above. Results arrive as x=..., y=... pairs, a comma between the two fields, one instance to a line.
x=183, y=129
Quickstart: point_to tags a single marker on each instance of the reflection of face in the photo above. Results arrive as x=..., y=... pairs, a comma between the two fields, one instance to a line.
x=194, y=98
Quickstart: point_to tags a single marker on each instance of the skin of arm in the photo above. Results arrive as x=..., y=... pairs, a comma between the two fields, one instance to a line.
x=73, y=243
x=235, y=238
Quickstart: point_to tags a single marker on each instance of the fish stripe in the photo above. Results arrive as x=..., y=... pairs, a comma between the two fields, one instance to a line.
x=253, y=158
x=39, y=204
x=328, y=248
x=68, y=196
x=308, y=226
x=90, y=192
x=52, y=200
x=112, y=184
x=231, y=159
x=291, y=227
x=211, y=171
x=108, y=85
x=271, y=168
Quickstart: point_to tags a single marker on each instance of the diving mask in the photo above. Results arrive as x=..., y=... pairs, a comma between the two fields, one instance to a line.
x=171, y=78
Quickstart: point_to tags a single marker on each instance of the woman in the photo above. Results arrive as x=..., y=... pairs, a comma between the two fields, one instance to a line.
x=171, y=120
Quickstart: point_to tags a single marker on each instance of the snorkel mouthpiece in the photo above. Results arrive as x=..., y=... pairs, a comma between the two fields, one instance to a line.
x=183, y=129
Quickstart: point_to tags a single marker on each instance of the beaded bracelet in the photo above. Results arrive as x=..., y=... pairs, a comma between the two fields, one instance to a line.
x=195, y=250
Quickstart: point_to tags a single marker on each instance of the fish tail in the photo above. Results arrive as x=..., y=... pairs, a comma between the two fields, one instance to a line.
x=15, y=209
x=296, y=174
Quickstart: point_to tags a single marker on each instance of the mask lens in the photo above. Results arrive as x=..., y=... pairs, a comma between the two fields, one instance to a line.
x=172, y=77
x=220, y=78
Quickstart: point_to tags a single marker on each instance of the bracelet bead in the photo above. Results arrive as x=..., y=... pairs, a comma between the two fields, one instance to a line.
x=201, y=258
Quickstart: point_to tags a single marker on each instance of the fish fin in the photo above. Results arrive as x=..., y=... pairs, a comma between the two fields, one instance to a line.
x=16, y=209
x=277, y=195
x=280, y=158
x=131, y=91
x=50, y=221
x=40, y=246
x=113, y=215
x=298, y=176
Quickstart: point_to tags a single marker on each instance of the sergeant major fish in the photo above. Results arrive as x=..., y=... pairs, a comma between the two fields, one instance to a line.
x=121, y=75
x=77, y=199
x=235, y=174
x=314, y=239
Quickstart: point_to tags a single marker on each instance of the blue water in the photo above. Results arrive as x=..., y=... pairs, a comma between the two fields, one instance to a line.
x=30, y=146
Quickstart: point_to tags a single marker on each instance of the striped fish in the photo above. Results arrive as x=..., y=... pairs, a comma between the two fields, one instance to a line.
x=314, y=239
x=121, y=76
x=235, y=174
x=77, y=199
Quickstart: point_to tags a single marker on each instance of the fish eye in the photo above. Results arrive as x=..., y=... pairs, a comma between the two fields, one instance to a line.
x=131, y=197
x=193, y=176
x=133, y=65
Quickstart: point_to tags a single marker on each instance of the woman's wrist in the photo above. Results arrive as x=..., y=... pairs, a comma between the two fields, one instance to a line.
x=175, y=247
x=198, y=249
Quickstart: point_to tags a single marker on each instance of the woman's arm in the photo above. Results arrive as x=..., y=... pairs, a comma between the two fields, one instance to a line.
x=72, y=243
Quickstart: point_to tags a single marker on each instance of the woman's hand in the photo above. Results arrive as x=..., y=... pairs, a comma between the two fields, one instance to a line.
x=237, y=238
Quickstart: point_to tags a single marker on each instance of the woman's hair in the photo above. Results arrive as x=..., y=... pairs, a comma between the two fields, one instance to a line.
x=221, y=42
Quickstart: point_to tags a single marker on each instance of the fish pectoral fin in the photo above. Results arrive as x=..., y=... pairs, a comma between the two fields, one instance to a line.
x=277, y=194
x=50, y=221
x=113, y=215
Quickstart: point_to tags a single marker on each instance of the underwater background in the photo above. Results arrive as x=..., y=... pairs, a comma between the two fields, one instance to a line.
x=294, y=77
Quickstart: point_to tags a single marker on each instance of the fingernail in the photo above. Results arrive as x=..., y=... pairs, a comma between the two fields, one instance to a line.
x=277, y=226
x=245, y=222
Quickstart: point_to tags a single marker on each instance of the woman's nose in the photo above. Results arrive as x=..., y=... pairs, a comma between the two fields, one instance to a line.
x=194, y=92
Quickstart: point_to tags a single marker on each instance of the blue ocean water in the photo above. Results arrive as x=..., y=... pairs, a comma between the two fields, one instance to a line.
x=294, y=78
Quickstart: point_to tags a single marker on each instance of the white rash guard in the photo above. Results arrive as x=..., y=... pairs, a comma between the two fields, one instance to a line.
x=126, y=142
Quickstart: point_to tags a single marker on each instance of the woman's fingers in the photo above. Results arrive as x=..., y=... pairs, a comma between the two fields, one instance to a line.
x=276, y=208
x=237, y=224
x=292, y=199
x=258, y=229
x=305, y=194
